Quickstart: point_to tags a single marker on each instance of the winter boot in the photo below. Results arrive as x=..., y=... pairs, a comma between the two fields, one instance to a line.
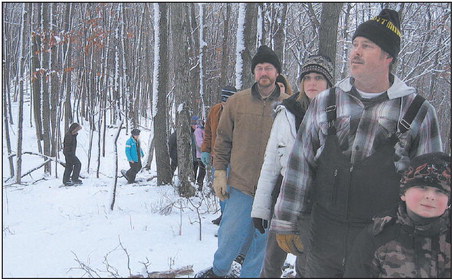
x=217, y=221
x=207, y=273
x=240, y=258
x=124, y=173
x=77, y=181
x=68, y=183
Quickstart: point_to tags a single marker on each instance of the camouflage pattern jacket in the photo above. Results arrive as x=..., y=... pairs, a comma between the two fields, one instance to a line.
x=394, y=246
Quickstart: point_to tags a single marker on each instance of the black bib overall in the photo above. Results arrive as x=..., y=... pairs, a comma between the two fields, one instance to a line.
x=345, y=198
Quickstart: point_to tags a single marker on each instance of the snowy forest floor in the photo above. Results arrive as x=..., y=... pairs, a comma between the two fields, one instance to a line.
x=54, y=231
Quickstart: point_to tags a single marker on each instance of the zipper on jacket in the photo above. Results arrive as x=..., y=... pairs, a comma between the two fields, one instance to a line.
x=334, y=193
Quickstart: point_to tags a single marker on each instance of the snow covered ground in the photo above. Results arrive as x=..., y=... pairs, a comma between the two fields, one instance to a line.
x=53, y=231
x=50, y=231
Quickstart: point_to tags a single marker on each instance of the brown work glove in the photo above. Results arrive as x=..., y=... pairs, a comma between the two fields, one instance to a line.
x=291, y=243
x=220, y=184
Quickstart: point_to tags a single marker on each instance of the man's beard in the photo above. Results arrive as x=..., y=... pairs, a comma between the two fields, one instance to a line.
x=270, y=83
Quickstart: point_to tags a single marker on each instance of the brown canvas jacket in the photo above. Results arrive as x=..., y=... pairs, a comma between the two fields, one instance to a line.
x=242, y=135
x=210, y=130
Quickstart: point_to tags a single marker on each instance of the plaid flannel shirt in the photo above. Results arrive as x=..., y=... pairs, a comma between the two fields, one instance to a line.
x=362, y=126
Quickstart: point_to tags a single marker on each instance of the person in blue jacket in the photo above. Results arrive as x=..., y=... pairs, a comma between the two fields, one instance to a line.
x=134, y=154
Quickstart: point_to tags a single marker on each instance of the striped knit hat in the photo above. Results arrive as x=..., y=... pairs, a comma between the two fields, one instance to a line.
x=226, y=92
x=319, y=64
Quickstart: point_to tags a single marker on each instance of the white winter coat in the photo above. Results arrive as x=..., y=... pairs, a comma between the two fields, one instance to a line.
x=277, y=153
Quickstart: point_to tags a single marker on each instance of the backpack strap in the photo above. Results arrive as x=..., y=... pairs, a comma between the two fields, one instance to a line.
x=331, y=111
x=407, y=119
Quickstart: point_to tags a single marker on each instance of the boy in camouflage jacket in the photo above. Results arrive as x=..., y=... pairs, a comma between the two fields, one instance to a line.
x=414, y=242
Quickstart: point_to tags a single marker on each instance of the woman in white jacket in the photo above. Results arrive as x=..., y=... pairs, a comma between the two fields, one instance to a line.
x=315, y=77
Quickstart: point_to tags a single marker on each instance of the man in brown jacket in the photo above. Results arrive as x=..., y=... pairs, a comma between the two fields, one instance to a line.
x=242, y=135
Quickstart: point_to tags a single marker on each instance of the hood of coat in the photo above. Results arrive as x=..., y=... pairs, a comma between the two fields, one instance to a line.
x=293, y=106
x=398, y=88
x=73, y=127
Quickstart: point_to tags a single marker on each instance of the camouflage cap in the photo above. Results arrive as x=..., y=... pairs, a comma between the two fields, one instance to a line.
x=432, y=169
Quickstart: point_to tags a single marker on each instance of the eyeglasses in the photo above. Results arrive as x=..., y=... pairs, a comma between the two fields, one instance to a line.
x=266, y=69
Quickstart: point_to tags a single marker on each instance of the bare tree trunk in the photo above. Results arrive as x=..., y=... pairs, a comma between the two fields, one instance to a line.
x=54, y=85
x=160, y=90
x=21, y=96
x=67, y=50
x=6, y=119
x=193, y=102
x=248, y=30
x=344, y=36
x=116, y=166
x=36, y=79
x=185, y=154
x=125, y=72
x=328, y=30
x=224, y=51
x=45, y=30
x=279, y=38
x=184, y=142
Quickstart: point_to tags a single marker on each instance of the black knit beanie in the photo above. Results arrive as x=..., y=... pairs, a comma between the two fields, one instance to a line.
x=432, y=169
x=383, y=30
x=265, y=55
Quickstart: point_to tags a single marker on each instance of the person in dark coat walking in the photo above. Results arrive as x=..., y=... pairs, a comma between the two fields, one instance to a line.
x=134, y=154
x=73, y=164
x=413, y=242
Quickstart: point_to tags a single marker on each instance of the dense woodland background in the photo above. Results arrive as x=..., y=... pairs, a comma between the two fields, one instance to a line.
x=153, y=65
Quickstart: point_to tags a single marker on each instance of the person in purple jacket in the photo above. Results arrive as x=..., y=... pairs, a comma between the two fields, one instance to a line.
x=199, y=168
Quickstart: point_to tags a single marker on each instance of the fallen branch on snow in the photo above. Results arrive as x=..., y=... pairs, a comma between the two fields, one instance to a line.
x=172, y=273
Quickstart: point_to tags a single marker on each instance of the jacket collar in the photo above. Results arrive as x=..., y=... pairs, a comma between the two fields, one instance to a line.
x=432, y=227
x=274, y=96
x=397, y=89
